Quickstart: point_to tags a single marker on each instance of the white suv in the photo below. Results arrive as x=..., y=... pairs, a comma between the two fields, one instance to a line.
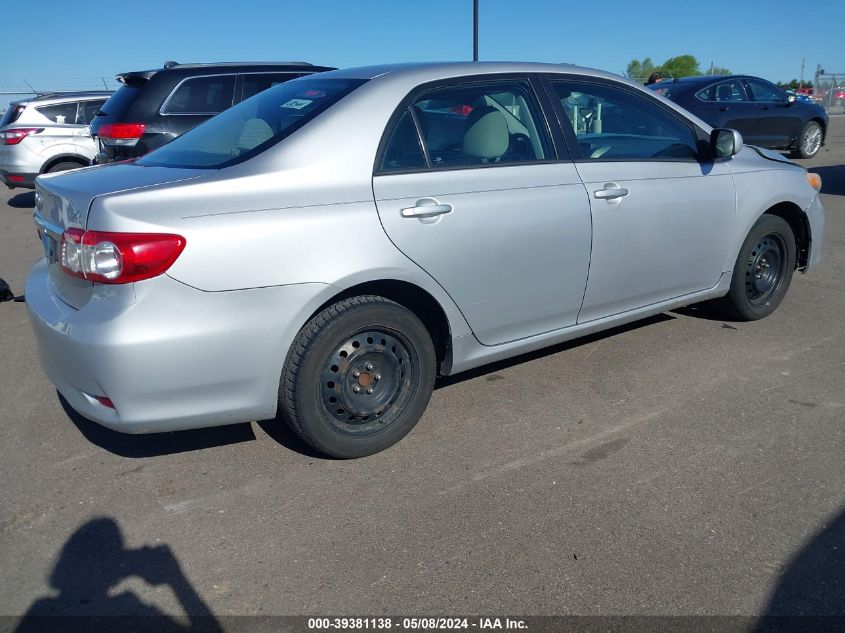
x=46, y=134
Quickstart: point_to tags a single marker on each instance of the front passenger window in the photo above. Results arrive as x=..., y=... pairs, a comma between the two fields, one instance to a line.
x=611, y=123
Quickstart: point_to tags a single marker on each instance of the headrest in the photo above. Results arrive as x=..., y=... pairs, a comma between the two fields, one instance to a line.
x=486, y=134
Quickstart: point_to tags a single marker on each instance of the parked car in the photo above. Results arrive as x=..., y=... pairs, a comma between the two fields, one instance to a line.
x=321, y=251
x=800, y=96
x=763, y=113
x=153, y=107
x=47, y=134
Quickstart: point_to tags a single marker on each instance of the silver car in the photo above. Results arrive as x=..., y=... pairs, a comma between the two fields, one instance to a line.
x=47, y=134
x=319, y=253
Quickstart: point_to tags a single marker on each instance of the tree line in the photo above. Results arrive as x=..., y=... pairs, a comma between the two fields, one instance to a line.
x=680, y=66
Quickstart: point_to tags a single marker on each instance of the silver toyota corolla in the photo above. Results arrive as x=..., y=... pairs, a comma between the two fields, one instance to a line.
x=322, y=251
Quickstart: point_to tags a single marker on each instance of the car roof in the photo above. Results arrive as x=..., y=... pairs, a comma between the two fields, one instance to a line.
x=232, y=66
x=62, y=97
x=419, y=71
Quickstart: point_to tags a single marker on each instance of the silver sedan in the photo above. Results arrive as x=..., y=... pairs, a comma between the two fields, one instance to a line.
x=321, y=252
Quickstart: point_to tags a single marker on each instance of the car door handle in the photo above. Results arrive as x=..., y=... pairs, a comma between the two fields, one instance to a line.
x=610, y=192
x=723, y=108
x=426, y=208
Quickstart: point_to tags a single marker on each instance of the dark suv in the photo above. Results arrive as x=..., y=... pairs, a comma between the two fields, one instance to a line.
x=153, y=107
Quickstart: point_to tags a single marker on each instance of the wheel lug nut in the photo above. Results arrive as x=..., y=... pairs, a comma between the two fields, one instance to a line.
x=356, y=373
x=356, y=389
x=369, y=366
x=369, y=390
x=377, y=376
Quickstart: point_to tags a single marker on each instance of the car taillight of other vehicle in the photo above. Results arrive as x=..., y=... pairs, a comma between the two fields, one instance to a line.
x=13, y=137
x=121, y=134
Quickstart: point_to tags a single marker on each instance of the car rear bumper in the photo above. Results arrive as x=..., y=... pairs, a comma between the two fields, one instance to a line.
x=175, y=358
x=14, y=179
x=16, y=168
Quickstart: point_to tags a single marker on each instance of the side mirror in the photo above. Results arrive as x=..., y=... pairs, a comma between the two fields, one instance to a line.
x=791, y=99
x=725, y=142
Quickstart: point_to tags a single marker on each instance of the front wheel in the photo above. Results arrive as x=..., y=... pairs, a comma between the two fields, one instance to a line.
x=358, y=377
x=763, y=270
x=810, y=140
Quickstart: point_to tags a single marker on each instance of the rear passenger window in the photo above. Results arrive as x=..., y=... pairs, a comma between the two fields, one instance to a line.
x=403, y=150
x=482, y=124
x=60, y=112
x=88, y=110
x=726, y=91
x=612, y=123
x=201, y=95
x=255, y=83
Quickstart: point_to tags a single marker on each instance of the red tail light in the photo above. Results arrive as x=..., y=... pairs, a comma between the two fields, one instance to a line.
x=13, y=137
x=125, y=134
x=118, y=258
x=463, y=110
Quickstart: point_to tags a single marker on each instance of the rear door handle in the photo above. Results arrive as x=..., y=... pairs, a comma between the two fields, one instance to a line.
x=426, y=208
x=611, y=191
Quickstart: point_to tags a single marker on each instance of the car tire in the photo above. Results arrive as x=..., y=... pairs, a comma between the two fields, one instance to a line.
x=809, y=141
x=358, y=377
x=763, y=270
x=64, y=166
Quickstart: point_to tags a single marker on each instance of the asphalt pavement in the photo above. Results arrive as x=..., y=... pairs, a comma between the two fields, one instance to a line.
x=682, y=465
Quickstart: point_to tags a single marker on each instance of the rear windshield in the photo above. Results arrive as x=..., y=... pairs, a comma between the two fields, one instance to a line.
x=119, y=102
x=12, y=113
x=253, y=125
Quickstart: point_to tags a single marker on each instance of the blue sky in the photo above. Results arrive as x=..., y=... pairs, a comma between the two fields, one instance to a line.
x=766, y=38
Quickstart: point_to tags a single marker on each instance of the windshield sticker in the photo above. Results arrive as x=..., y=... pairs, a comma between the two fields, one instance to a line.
x=297, y=104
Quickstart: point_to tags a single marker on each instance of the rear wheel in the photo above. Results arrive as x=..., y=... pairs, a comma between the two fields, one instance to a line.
x=358, y=377
x=763, y=270
x=810, y=141
x=64, y=166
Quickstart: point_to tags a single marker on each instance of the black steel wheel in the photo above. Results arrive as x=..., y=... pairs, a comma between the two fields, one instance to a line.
x=763, y=270
x=358, y=377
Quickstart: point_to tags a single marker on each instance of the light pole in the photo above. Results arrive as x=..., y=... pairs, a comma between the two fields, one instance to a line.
x=475, y=30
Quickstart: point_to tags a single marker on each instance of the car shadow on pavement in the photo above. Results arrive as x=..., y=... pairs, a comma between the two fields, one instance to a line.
x=154, y=444
x=23, y=200
x=810, y=594
x=92, y=566
x=445, y=381
x=833, y=179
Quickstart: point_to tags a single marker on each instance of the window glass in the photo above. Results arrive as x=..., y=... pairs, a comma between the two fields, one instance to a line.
x=764, y=92
x=255, y=83
x=403, y=150
x=60, y=112
x=252, y=126
x=611, y=123
x=201, y=95
x=482, y=124
x=88, y=109
x=725, y=91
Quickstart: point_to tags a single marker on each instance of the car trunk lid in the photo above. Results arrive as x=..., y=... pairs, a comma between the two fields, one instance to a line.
x=64, y=201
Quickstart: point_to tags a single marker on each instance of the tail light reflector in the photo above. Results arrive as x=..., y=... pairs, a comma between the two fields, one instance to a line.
x=122, y=134
x=118, y=258
x=13, y=137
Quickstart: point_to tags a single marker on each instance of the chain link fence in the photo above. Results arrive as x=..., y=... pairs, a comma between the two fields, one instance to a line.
x=16, y=89
x=829, y=91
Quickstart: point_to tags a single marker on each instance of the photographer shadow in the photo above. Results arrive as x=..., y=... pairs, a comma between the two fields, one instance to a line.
x=92, y=563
